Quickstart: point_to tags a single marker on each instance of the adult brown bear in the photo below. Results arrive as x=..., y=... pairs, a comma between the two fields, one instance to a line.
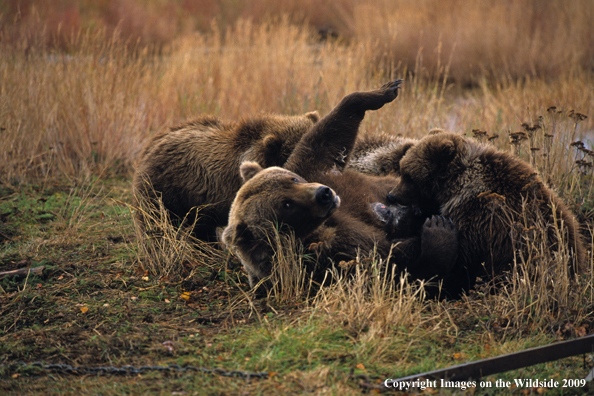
x=328, y=205
x=195, y=166
x=488, y=194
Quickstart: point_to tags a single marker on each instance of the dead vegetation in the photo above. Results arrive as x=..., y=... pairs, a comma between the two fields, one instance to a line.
x=76, y=109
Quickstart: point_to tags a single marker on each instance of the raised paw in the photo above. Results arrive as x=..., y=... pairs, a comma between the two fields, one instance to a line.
x=391, y=88
x=374, y=100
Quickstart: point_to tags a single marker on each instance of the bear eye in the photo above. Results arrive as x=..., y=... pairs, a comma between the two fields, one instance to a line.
x=287, y=204
x=295, y=180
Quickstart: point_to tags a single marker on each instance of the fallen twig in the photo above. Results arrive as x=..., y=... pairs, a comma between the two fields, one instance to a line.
x=23, y=272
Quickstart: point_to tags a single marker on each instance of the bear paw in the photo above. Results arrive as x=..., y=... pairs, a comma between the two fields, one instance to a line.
x=386, y=94
x=439, y=241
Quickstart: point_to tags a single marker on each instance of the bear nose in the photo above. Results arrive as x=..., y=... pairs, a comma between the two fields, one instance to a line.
x=324, y=195
x=391, y=198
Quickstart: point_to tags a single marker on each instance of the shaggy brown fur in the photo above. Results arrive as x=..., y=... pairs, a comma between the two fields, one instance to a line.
x=339, y=233
x=195, y=166
x=379, y=154
x=487, y=194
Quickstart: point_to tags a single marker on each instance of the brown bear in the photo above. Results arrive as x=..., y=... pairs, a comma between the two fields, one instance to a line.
x=487, y=193
x=195, y=166
x=379, y=154
x=302, y=198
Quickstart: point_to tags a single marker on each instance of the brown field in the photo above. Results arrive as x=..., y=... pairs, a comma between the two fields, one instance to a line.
x=84, y=84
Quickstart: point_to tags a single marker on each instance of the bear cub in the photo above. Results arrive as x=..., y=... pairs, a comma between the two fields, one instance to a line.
x=195, y=167
x=488, y=194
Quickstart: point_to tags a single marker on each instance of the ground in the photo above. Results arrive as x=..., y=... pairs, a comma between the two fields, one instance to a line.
x=95, y=306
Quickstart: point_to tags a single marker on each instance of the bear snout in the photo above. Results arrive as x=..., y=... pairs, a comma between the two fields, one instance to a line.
x=403, y=194
x=327, y=200
x=393, y=199
x=324, y=196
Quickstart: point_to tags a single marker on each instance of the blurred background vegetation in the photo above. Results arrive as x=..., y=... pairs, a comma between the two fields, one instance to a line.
x=84, y=83
x=513, y=38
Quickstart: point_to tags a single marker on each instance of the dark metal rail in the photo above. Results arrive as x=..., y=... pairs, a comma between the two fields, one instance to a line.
x=512, y=361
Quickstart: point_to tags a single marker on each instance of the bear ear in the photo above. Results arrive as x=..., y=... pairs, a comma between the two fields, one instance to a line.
x=272, y=150
x=313, y=115
x=444, y=151
x=400, y=151
x=248, y=170
x=398, y=154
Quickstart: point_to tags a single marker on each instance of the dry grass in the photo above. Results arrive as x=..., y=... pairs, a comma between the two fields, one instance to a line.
x=74, y=115
x=80, y=105
x=372, y=299
x=169, y=251
x=540, y=292
x=289, y=281
x=505, y=38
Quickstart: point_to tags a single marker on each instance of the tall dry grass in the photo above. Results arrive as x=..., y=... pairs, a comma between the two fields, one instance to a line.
x=75, y=114
x=89, y=111
x=504, y=38
x=168, y=250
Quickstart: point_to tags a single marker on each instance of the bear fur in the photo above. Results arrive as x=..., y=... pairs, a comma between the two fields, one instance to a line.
x=195, y=166
x=488, y=194
x=379, y=154
x=339, y=228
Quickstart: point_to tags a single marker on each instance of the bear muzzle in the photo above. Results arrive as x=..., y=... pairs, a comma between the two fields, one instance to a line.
x=327, y=200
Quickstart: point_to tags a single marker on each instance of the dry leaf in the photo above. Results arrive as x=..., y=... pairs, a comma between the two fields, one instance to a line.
x=84, y=309
x=185, y=296
x=169, y=345
x=581, y=331
x=360, y=366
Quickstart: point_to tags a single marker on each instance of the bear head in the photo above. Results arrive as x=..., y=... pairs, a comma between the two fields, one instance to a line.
x=273, y=197
x=429, y=171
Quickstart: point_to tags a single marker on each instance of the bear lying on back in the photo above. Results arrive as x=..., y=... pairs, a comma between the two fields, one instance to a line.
x=195, y=166
x=304, y=198
x=486, y=193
